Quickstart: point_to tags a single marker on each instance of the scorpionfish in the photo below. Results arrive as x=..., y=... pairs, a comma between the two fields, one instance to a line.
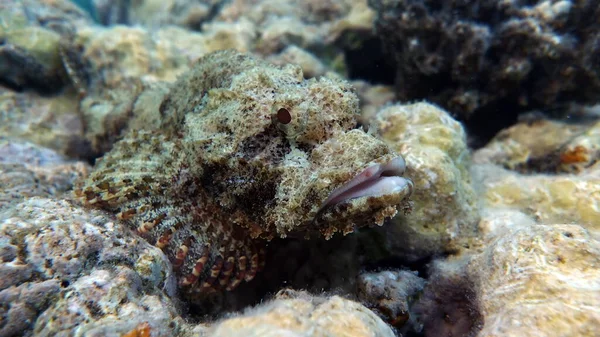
x=240, y=152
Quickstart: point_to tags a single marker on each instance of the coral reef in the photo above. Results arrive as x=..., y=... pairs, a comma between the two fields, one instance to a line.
x=228, y=177
x=529, y=147
x=327, y=29
x=244, y=152
x=568, y=198
x=487, y=61
x=104, y=72
x=445, y=209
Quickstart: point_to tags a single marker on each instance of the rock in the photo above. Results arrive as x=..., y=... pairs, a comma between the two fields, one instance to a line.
x=53, y=122
x=155, y=13
x=311, y=65
x=373, y=97
x=109, y=302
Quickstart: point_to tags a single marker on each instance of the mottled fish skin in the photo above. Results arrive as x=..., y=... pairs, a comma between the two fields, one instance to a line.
x=243, y=151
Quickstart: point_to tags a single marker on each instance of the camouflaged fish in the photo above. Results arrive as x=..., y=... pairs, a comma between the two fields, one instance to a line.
x=241, y=152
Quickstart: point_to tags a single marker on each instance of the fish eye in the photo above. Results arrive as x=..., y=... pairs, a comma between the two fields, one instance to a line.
x=284, y=116
x=291, y=121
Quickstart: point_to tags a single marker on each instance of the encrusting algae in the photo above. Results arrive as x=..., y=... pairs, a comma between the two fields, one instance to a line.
x=241, y=152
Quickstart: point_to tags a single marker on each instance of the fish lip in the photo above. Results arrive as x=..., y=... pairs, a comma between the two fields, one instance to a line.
x=376, y=180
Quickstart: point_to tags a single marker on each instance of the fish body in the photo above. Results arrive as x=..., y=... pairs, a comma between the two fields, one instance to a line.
x=242, y=152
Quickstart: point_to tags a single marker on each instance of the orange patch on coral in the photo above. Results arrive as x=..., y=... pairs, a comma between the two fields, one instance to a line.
x=141, y=330
x=579, y=154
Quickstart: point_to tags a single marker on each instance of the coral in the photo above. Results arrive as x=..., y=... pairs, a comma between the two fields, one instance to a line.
x=372, y=99
x=52, y=122
x=54, y=257
x=530, y=147
x=300, y=314
x=546, y=198
x=66, y=268
x=156, y=13
x=276, y=24
x=390, y=293
x=118, y=53
x=559, y=171
x=30, y=55
x=311, y=65
x=243, y=152
x=445, y=208
x=488, y=61
x=20, y=305
x=109, y=302
x=527, y=280
x=32, y=43
x=519, y=268
x=581, y=153
x=125, y=65
x=27, y=170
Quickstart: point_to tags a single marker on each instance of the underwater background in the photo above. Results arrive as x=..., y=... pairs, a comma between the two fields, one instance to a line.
x=299, y=168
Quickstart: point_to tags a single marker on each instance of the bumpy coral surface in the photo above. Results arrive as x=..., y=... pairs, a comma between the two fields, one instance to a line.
x=489, y=60
x=533, y=146
x=242, y=152
x=438, y=161
x=65, y=268
x=28, y=170
x=570, y=198
x=518, y=271
x=298, y=314
x=528, y=280
x=568, y=187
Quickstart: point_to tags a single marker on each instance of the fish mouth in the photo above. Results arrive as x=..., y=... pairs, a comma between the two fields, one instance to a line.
x=375, y=181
